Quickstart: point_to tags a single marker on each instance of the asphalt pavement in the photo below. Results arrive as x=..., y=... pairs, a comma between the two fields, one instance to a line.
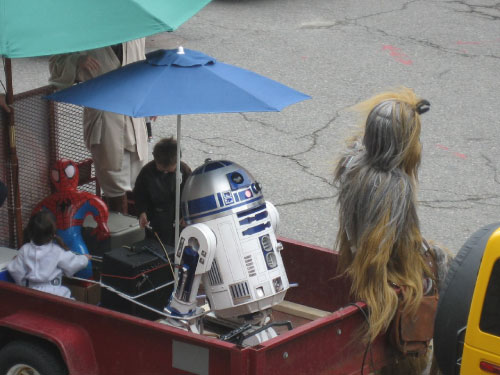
x=341, y=52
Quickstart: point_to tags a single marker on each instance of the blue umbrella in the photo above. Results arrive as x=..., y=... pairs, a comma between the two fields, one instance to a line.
x=178, y=82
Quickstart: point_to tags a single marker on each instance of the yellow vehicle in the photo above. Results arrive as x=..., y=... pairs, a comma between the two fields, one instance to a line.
x=467, y=326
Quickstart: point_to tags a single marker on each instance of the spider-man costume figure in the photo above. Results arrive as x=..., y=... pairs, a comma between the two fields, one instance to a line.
x=70, y=207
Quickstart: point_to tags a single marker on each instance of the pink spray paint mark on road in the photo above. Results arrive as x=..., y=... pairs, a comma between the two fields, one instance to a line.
x=475, y=43
x=461, y=42
x=457, y=154
x=397, y=55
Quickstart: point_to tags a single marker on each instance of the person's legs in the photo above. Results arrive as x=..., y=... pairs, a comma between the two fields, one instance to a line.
x=114, y=184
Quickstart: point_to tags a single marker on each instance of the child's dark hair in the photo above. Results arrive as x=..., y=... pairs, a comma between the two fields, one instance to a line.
x=42, y=229
x=165, y=151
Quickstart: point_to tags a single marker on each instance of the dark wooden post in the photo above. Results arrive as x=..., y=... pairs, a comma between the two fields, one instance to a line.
x=15, y=213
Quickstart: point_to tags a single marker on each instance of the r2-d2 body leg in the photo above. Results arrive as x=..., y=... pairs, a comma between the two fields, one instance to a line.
x=195, y=253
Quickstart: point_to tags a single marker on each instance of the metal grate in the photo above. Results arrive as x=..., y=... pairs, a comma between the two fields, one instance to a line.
x=239, y=292
x=4, y=170
x=44, y=133
x=214, y=274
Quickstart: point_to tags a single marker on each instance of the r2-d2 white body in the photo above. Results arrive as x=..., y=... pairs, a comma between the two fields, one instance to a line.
x=229, y=243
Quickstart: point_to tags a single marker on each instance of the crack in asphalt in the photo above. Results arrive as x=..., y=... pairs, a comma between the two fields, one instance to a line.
x=477, y=10
x=489, y=163
x=446, y=204
x=484, y=200
x=473, y=199
x=477, y=139
x=292, y=156
x=474, y=9
x=426, y=43
x=403, y=7
x=205, y=142
x=314, y=136
x=443, y=207
x=264, y=124
x=441, y=74
x=303, y=201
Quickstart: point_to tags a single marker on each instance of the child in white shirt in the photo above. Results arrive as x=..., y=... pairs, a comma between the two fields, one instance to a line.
x=41, y=263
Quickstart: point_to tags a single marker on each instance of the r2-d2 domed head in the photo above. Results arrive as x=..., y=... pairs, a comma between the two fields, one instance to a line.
x=216, y=188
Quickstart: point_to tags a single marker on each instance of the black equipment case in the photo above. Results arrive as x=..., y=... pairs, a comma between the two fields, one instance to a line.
x=143, y=273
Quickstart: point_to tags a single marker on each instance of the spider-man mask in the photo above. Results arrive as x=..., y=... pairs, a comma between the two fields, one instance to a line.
x=64, y=175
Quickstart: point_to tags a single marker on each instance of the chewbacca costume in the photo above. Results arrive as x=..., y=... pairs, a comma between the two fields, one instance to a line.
x=379, y=239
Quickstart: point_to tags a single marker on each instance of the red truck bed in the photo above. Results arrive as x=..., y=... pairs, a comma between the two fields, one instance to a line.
x=94, y=340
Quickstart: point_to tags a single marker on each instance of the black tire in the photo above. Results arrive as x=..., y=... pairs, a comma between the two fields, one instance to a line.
x=37, y=356
x=455, y=298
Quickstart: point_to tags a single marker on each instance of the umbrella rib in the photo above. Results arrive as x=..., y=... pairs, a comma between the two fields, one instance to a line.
x=150, y=88
x=158, y=20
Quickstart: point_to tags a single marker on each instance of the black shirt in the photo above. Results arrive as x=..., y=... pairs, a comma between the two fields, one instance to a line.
x=154, y=194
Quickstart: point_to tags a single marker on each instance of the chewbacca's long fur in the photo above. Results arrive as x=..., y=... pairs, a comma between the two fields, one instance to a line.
x=379, y=238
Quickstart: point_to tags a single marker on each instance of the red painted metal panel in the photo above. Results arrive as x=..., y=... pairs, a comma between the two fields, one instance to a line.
x=72, y=340
x=124, y=344
x=315, y=270
x=328, y=345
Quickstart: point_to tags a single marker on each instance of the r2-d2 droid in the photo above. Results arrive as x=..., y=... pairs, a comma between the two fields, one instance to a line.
x=230, y=246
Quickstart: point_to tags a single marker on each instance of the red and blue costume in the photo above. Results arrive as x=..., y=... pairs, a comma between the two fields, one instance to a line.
x=70, y=207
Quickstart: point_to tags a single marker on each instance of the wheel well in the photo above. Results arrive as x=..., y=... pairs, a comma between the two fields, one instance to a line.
x=8, y=335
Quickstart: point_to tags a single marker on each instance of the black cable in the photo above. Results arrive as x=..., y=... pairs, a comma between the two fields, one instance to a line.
x=368, y=345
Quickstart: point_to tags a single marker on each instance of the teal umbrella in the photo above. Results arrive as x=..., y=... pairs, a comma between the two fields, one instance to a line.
x=45, y=27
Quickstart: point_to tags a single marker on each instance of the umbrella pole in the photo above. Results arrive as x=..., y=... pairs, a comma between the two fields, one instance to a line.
x=178, y=181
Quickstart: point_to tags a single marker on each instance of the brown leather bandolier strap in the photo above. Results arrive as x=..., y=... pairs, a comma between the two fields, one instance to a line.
x=411, y=334
x=430, y=260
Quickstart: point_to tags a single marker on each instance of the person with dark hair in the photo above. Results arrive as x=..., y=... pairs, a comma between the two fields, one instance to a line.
x=41, y=263
x=154, y=191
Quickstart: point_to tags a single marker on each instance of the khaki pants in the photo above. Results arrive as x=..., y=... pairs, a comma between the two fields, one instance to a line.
x=117, y=183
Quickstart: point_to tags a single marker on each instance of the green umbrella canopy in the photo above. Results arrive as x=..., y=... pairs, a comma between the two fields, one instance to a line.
x=46, y=27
